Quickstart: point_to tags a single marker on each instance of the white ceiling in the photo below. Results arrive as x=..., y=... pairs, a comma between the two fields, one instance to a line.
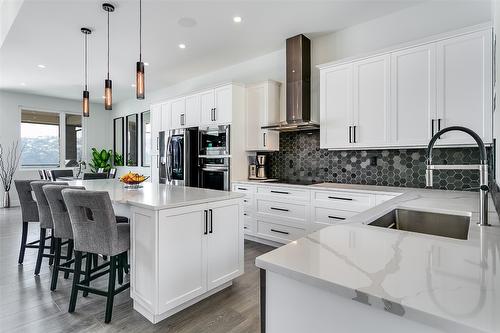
x=48, y=32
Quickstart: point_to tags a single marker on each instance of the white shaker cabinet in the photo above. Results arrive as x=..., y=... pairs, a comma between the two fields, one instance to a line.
x=216, y=106
x=223, y=248
x=262, y=108
x=413, y=95
x=183, y=276
x=166, y=116
x=401, y=98
x=193, y=109
x=336, y=99
x=371, y=102
x=178, y=113
x=464, y=86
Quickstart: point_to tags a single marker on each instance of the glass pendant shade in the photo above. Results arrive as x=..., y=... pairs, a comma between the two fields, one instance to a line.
x=139, y=80
x=86, y=104
x=108, y=95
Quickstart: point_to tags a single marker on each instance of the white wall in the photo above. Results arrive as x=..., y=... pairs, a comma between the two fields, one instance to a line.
x=427, y=19
x=96, y=127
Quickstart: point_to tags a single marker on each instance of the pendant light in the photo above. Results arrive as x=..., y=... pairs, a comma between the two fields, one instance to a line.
x=139, y=74
x=85, y=100
x=108, y=89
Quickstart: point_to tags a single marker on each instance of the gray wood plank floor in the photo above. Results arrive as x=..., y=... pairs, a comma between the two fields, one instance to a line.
x=28, y=305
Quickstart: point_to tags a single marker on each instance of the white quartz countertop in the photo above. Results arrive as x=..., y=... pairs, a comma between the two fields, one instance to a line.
x=452, y=283
x=156, y=196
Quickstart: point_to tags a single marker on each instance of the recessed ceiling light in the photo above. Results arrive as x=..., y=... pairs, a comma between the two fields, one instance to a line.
x=103, y=97
x=133, y=85
x=237, y=19
x=146, y=64
x=40, y=66
x=182, y=46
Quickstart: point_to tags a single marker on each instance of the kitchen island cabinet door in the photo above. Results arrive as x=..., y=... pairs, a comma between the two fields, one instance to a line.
x=225, y=243
x=182, y=256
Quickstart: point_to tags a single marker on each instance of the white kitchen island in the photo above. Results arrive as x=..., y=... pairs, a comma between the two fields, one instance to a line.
x=186, y=243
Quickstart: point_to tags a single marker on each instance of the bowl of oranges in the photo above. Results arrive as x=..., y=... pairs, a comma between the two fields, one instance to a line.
x=133, y=180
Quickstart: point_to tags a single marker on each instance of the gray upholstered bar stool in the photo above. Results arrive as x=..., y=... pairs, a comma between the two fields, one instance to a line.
x=95, y=231
x=29, y=211
x=62, y=230
x=45, y=221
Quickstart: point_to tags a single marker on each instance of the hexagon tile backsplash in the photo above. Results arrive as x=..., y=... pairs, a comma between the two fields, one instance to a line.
x=300, y=158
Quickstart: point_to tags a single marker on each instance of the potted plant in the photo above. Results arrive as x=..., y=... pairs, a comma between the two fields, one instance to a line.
x=100, y=160
x=9, y=161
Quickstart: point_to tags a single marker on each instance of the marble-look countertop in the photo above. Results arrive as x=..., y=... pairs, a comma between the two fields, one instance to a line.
x=156, y=196
x=432, y=279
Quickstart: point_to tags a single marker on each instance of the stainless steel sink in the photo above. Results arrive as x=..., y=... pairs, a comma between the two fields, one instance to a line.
x=445, y=225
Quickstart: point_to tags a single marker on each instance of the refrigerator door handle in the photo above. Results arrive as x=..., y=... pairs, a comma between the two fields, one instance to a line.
x=169, y=159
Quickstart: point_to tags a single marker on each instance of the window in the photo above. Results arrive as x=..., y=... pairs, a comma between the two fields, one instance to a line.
x=45, y=144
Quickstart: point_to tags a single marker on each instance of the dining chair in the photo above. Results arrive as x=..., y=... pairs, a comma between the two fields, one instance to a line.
x=41, y=174
x=88, y=176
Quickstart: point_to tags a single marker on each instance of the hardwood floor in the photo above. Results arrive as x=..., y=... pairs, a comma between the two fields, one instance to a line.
x=28, y=305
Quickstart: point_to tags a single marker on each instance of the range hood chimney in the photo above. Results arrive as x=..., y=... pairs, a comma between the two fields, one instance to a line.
x=298, y=87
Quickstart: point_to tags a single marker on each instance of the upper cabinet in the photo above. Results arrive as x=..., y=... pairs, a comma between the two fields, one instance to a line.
x=402, y=98
x=178, y=113
x=216, y=106
x=262, y=108
x=464, y=86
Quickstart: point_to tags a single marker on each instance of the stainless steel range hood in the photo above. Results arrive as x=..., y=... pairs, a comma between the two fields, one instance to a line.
x=298, y=87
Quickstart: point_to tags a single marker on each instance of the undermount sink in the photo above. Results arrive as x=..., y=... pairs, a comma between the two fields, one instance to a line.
x=445, y=225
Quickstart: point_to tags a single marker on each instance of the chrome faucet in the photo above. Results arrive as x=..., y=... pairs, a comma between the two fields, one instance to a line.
x=482, y=167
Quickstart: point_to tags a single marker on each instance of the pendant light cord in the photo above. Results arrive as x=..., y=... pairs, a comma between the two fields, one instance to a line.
x=86, y=62
x=140, y=30
x=108, y=45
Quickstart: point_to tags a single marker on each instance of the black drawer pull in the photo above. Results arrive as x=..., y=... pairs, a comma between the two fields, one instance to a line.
x=280, y=232
x=280, y=209
x=340, y=198
x=245, y=200
x=242, y=189
x=279, y=192
x=245, y=227
x=245, y=214
x=336, y=217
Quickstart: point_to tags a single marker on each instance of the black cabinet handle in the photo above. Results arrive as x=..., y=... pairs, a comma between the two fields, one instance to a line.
x=211, y=221
x=215, y=114
x=242, y=189
x=350, y=139
x=336, y=217
x=245, y=214
x=280, y=232
x=340, y=198
x=245, y=200
x=354, y=134
x=279, y=192
x=245, y=227
x=280, y=209
x=439, y=126
x=264, y=138
x=205, y=229
x=432, y=127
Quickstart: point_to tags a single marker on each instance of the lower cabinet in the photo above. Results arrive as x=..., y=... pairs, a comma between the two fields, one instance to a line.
x=200, y=247
x=283, y=214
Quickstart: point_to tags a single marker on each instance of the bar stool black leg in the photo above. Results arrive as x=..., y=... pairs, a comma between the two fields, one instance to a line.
x=41, y=248
x=119, y=261
x=88, y=268
x=57, y=262
x=76, y=280
x=69, y=255
x=125, y=262
x=111, y=289
x=95, y=258
x=24, y=238
x=52, y=249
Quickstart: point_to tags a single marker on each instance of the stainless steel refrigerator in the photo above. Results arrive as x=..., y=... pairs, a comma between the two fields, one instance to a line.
x=179, y=157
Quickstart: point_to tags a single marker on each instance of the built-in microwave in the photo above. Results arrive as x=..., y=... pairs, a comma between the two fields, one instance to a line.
x=214, y=140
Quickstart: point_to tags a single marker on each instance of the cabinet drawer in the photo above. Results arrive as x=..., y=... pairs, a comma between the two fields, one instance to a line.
x=355, y=202
x=278, y=232
x=284, y=192
x=249, y=225
x=282, y=209
x=330, y=216
x=243, y=188
x=247, y=203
